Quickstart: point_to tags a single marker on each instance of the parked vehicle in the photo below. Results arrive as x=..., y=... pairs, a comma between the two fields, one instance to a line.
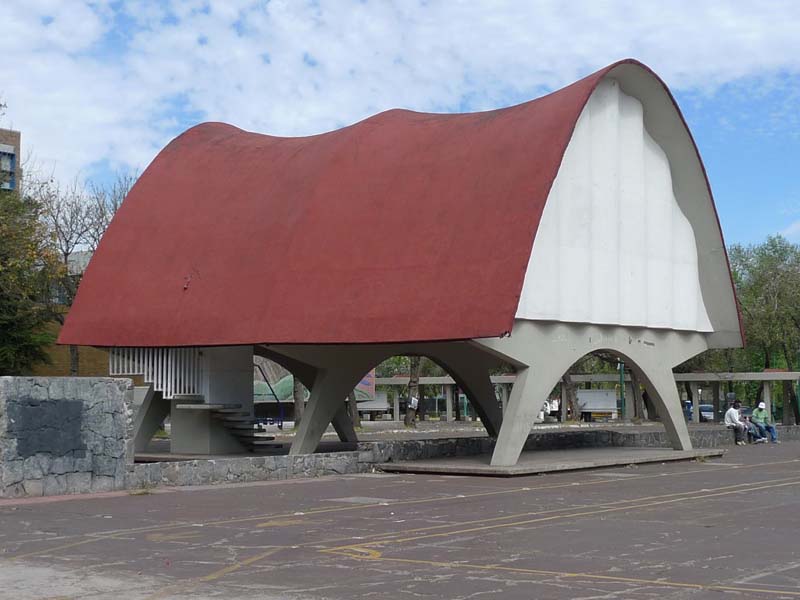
x=706, y=412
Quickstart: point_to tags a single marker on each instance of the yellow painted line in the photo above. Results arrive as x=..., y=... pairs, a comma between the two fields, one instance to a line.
x=96, y=537
x=590, y=576
x=236, y=566
x=171, y=537
x=363, y=552
x=90, y=540
x=638, y=504
x=284, y=523
x=189, y=585
x=555, y=510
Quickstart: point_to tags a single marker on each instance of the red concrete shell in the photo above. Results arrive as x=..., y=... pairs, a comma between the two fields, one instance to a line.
x=403, y=227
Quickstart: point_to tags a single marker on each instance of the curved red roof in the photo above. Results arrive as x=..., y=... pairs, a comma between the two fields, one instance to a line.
x=403, y=227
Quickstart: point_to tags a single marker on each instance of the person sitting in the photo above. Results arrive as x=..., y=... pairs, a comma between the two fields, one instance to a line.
x=733, y=421
x=760, y=419
x=753, y=434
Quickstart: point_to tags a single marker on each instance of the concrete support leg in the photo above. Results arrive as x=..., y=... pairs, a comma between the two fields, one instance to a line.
x=695, y=403
x=337, y=369
x=396, y=408
x=715, y=390
x=328, y=394
x=663, y=392
x=470, y=365
x=152, y=411
x=343, y=424
x=307, y=374
x=542, y=352
x=530, y=389
x=480, y=390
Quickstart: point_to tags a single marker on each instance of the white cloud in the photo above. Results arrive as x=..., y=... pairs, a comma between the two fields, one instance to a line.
x=88, y=82
x=792, y=232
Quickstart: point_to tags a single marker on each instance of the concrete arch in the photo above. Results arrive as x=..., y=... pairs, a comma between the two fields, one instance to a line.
x=543, y=351
x=307, y=374
x=470, y=370
x=337, y=369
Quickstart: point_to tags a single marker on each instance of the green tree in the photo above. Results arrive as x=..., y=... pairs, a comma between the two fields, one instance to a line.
x=767, y=280
x=76, y=217
x=767, y=277
x=27, y=265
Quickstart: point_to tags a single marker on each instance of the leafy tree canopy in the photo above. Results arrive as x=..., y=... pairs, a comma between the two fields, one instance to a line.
x=27, y=265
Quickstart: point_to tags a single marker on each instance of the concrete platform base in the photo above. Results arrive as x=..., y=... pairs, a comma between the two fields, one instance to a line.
x=549, y=461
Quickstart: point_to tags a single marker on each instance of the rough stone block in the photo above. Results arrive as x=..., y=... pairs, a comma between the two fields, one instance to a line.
x=32, y=468
x=104, y=465
x=62, y=465
x=101, y=483
x=13, y=473
x=39, y=389
x=220, y=470
x=83, y=463
x=114, y=447
x=54, y=485
x=203, y=473
x=79, y=483
x=153, y=474
x=33, y=487
x=169, y=473
x=56, y=388
x=16, y=490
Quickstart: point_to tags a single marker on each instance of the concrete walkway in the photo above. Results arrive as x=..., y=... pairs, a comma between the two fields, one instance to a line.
x=534, y=463
x=709, y=530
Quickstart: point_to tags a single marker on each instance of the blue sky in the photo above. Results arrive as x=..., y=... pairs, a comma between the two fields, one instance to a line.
x=98, y=87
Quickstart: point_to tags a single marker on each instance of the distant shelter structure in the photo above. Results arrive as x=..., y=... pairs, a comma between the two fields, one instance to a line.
x=533, y=235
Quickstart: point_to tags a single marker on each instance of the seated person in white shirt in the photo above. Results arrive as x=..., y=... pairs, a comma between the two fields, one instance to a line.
x=734, y=421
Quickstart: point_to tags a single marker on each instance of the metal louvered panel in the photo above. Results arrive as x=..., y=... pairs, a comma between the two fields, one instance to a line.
x=172, y=371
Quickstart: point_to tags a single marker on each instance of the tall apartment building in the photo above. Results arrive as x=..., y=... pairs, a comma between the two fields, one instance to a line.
x=10, y=168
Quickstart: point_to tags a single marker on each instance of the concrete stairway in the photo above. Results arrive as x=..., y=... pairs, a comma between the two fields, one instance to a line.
x=243, y=427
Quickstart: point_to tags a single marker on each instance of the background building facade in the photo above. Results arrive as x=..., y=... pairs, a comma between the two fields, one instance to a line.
x=10, y=168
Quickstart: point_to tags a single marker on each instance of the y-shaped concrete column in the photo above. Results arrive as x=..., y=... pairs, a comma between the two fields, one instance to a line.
x=337, y=369
x=543, y=351
x=307, y=374
x=328, y=393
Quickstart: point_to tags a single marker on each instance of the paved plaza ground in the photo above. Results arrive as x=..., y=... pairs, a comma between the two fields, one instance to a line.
x=717, y=528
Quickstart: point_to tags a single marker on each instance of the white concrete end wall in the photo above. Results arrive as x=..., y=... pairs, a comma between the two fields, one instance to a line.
x=614, y=246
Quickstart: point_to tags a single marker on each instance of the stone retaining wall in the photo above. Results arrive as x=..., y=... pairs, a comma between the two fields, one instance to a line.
x=73, y=435
x=370, y=454
x=64, y=435
x=241, y=469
